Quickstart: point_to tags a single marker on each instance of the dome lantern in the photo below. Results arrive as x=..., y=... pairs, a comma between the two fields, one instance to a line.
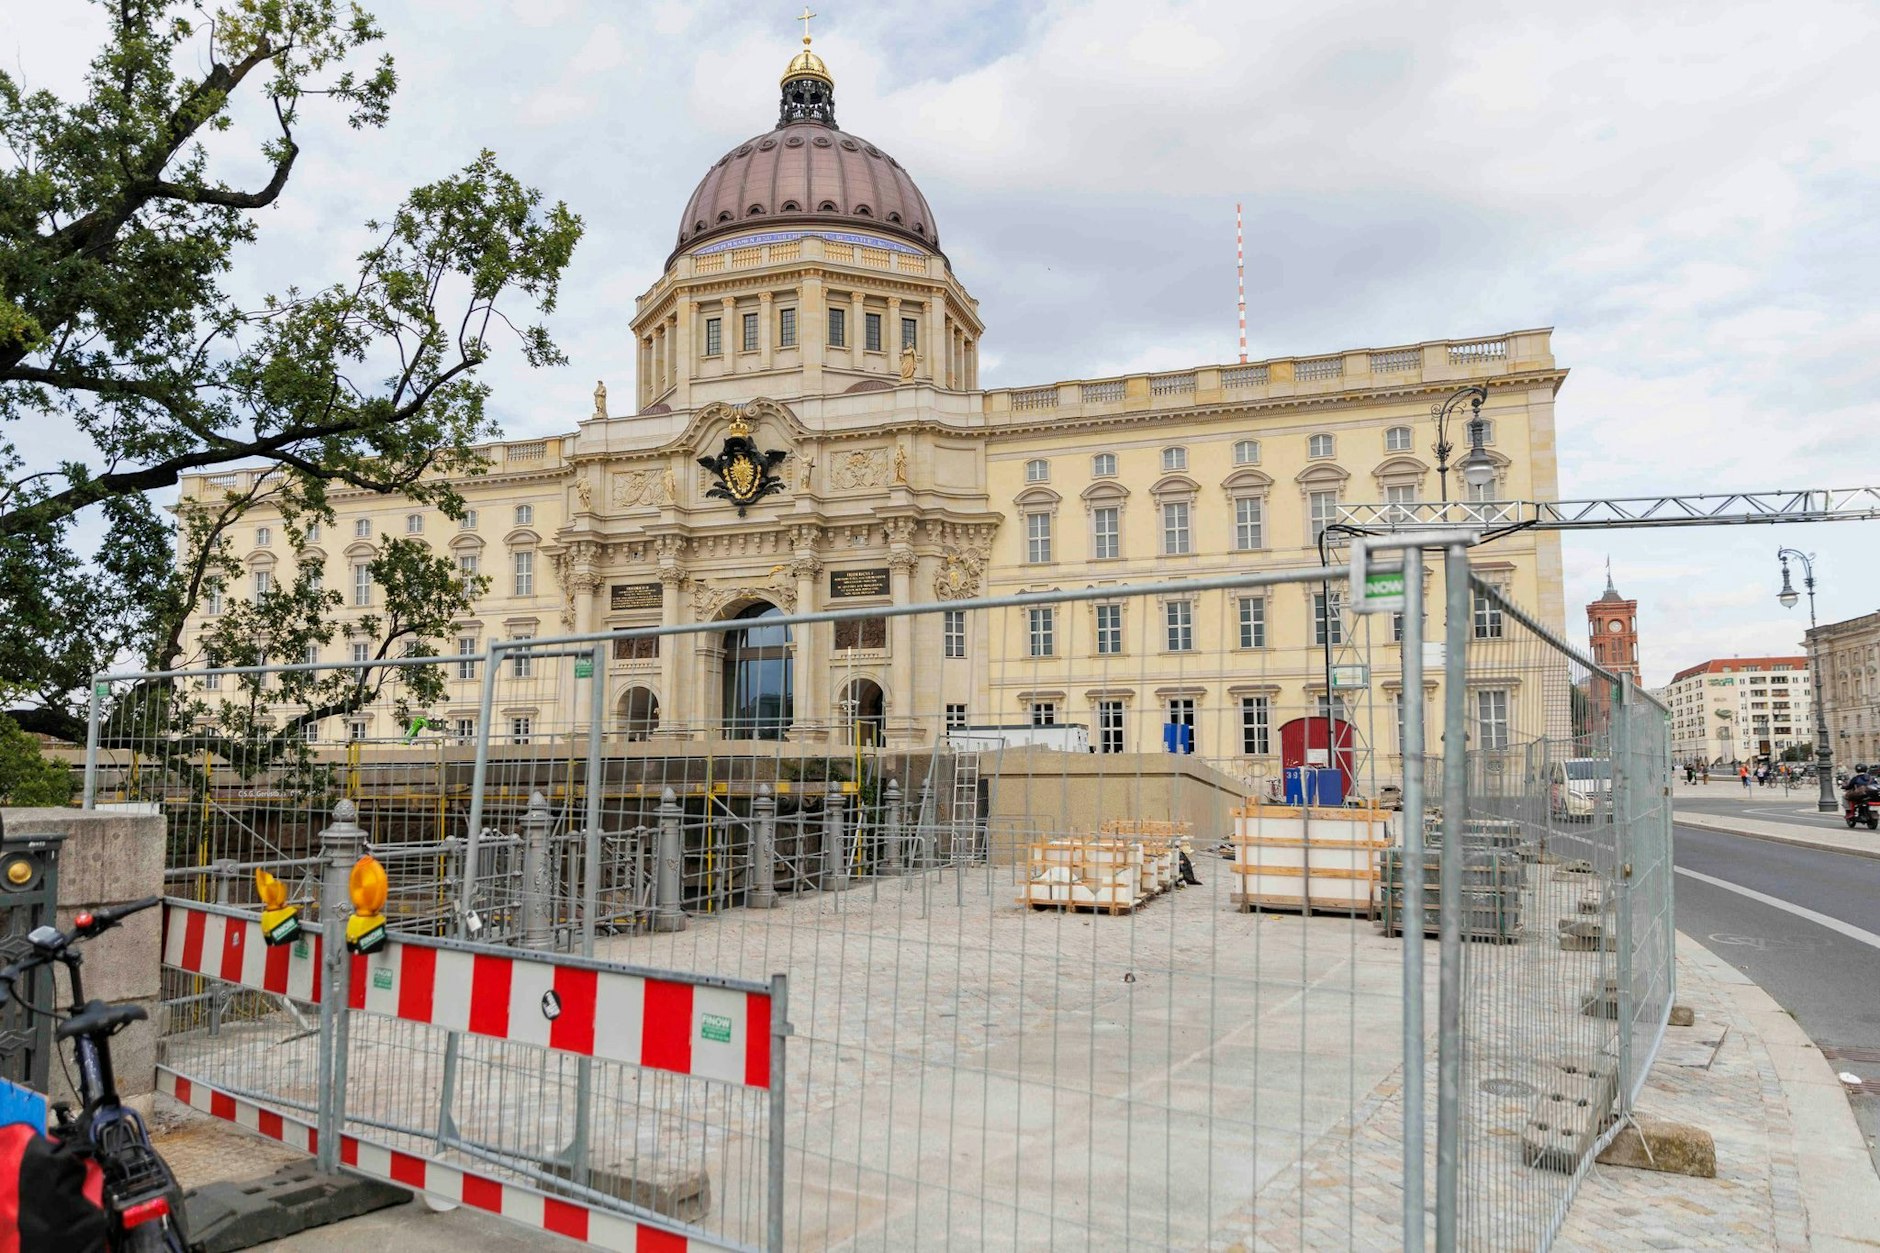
x=809, y=91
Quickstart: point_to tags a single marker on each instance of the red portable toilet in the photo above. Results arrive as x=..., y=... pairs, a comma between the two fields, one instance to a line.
x=1318, y=741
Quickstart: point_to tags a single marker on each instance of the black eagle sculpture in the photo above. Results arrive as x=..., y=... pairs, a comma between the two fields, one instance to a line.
x=745, y=473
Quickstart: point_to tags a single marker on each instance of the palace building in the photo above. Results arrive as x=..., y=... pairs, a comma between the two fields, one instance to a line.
x=808, y=430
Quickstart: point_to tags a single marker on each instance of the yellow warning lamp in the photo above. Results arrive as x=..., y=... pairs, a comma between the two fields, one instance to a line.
x=280, y=922
x=365, y=930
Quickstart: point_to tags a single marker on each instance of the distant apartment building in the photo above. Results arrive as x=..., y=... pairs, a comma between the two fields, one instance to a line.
x=1740, y=708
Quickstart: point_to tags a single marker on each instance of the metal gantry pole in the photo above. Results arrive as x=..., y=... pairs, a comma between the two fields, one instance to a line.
x=479, y=777
x=591, y=848
x=1622, y=806
x=1412, y=898
x=98, y=690
x=1455, y=803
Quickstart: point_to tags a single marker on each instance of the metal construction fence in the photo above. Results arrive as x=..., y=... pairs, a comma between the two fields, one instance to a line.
x=1064, y=966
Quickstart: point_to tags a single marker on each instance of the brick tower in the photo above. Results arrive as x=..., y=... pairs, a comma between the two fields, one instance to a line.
x=1612, y=629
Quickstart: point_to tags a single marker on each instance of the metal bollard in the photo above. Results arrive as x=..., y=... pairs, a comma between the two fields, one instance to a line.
x=835, y=860
x=894, y=853
x=341, y=844
x=763, y=893
x=923, y=826
x=222, y=870
x=538, y=930
x=667, y=916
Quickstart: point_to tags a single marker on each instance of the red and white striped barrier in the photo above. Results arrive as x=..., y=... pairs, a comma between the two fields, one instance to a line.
x=666, y=1024
x=229, y=947
x=515, y=1202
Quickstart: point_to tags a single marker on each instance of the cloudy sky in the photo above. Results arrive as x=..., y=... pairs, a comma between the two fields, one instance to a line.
x=1686, y=192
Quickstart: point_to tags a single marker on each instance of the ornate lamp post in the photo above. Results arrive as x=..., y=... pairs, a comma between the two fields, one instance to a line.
x=1478, y=468
x=1824, y=754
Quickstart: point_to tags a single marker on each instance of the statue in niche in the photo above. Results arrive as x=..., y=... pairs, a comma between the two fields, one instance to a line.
x=585, y=493
x=900, y=464
x=669, y=487
x=909, y=359
x=600, y=399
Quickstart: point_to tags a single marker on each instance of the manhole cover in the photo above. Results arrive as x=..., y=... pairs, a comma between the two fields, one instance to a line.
x=1507, y=1087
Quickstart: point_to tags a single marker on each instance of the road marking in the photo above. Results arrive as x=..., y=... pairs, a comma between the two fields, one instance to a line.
x=1847, y=929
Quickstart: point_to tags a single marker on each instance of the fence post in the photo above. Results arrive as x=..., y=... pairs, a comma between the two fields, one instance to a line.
x=340, y=845
x=667, y=916
x=222, y=870
x=891, y=818
x=479, y=777
x=763, y=893
x=924, y=824
x=835, y=867
x=1412, y=898
x=1621, y=807
x=91, y=743
x=779, y=1035
x=1449, y=892
x=537, y=933
x=596, y=793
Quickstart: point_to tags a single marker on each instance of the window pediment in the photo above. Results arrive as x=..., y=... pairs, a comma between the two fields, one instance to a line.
x=1247, y=481
x=1324, y=473
x=359, y=550
x=1037, y=496
x=312, y=555
x=1105, y=492
x=522, y=537
x=1400, y=467
x=1174, y=487
x=466, y=542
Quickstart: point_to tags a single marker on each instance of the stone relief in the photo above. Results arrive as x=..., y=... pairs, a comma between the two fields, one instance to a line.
x=635, y=487
x=864, y=467
x=962, y=567
x=710, y=599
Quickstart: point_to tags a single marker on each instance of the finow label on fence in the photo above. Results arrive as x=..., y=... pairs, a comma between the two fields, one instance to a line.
x=512, y=1201
x=671, y=1024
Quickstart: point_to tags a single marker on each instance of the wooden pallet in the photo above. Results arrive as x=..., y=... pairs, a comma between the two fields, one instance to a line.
x=1297, y=905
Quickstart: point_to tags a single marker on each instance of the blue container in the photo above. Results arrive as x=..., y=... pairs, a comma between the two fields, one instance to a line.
x=1314, y=785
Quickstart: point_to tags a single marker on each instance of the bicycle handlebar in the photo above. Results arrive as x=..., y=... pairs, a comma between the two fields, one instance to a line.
x=88, y=924
x=92, y=922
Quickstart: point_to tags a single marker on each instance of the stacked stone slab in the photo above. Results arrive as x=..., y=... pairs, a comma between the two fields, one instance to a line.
x=1307, y=857
x=1085, y=873
x=1491, y=892
x=1162, y=846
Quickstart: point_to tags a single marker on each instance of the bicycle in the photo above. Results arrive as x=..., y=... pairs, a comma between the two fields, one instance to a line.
x=141, y=1196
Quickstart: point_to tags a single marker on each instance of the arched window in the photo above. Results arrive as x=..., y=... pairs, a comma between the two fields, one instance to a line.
x=1397, y=439
x=1038, y=471
x=1247, y=452
x=759, y=696
x=1319, y=446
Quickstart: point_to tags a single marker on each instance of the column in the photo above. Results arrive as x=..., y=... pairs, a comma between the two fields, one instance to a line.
x=901, y=695
x=659, y=362
x=933, y=354
x=810, y=680
x=675, y=703
x=683, y=354
x=811, y=328
x=766, y=330
x=891, y=336
x=644, y=375
x=582, y=586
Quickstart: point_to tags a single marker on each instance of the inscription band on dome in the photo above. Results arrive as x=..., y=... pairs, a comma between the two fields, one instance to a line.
x=784, y=237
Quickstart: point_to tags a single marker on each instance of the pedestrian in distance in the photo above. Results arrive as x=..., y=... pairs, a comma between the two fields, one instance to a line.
x=1742, y=772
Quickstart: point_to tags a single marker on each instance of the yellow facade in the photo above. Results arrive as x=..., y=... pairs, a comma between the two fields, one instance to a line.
x=838, y=334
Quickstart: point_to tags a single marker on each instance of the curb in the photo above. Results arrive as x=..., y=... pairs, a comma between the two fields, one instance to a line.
x=1840, y=1191
x=1704, y=822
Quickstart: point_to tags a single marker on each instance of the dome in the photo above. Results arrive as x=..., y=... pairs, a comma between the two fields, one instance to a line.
x=807, y=171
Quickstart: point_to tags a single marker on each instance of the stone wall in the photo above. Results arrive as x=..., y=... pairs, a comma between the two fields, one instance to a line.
x=110, y=858
x=1040, y=793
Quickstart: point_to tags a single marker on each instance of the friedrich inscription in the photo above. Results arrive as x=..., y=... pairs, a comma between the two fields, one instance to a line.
x=634, y=596
x=870, y=582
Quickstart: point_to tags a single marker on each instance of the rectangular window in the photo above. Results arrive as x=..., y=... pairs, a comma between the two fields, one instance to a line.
x=1037, y=538
x=871, y=332
x=520, y=730
x=1175, y=528
x=714, y=337
x=1042, y=623
x=356, y=729
x=1328, y=627
x=263, y=537
x=313, y=532
x=838, y=328
x=1249, y=523
x=953, y=633
x=786, y=328
x=1488, y=625
x=956, y=717
x=361, y=652
x=1103, y=465
x=264, y=583
x=1319, y=446
x=464, y=730
x=1174, y=459
x=1106, y=533
x=910, y=333
x=362, y=584
x=212, y=601
x=1491, y=718
x=362, y=528
x=525, y=572
x=1323, y=507
x=1253, y=622
x=1109, y=630
x=211, y=682
x=1179, y=617
x=1109, y=726
x=1247, y=452
x=1044, y=713
x=310, y=655
x=1256, y=723
x=750, y=332
x=466, y=565
x=1037, y=471
x=1181, y=713
x=521, y=662
x=467, y=668
x=525, y=515
x=469, y=520
x=1397, y=439
x=310, y=732
x=414, y=524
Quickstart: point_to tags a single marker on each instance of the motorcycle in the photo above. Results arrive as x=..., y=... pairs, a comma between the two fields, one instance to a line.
x=1860, y=809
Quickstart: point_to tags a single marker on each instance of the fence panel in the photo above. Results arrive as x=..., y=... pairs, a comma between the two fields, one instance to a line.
x=1566, y=914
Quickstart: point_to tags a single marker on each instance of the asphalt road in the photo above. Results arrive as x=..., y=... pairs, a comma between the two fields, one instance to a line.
x=1766, y=804
x=1828, y=979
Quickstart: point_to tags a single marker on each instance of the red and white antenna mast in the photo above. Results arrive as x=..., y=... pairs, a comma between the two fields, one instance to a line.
x=1240, y=280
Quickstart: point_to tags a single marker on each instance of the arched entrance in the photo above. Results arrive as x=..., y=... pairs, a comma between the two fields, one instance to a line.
x=759, y=695
x=639, y=713
x=863, y=709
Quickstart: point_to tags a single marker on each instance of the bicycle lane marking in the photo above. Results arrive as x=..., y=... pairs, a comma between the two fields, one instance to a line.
x=1847, y=929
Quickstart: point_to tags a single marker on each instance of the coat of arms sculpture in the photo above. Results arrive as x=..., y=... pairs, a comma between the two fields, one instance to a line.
x=745, y=473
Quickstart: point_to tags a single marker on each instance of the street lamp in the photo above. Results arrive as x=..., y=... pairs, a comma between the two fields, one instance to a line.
x=1824, y=754
x=1477, y=467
